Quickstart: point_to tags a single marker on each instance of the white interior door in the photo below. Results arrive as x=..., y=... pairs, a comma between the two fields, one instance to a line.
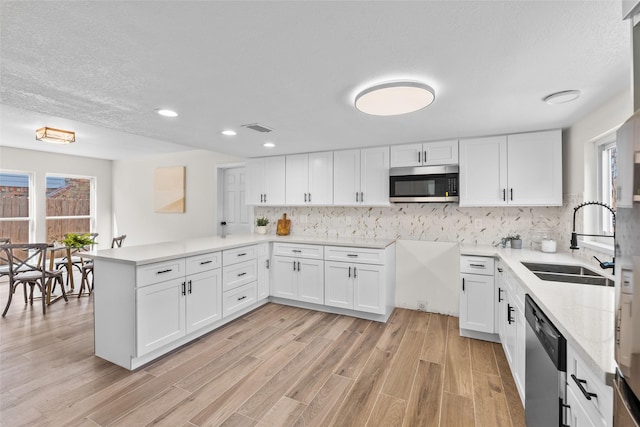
x=235, y=210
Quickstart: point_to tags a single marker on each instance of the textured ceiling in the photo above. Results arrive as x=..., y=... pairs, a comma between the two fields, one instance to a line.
x=296, y=66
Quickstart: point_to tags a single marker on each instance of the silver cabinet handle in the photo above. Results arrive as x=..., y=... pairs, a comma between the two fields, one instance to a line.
x=265, y=197
x=190, y=286
x=305, y=197
x=478, y=265
x=500, y=295
x=463, y=284
x=352, y=255
x=267, y=264
x=164, y=271
x=504, y=194
x=424, y=157
x=206, y=262
x=419, y=157
x=355, y=272
x=241, y=274
x=184, y=288
x=511, y=196
x=309, y=197
x=242, y=297
x=296, y=251
x=349, y=271
x=588, y=395
x=356, y=196
x=294, y=266
x=298, y=265
x=361, y=197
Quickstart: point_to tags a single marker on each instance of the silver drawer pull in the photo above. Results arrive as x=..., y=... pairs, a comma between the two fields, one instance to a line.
x=241, y=298
x=478, y=265
x=242, y=254
x=206, y=262
x=164, y=271
x=296, y=251
x=352, y=255
x=241, y=274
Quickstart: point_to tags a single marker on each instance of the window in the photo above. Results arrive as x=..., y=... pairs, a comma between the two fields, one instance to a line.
x=607, y=184
x=70, y=205
x=16, y=209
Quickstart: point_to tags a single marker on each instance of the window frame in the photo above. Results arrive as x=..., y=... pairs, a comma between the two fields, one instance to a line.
x=600, y=146
x=92, y=200
x=31, y=220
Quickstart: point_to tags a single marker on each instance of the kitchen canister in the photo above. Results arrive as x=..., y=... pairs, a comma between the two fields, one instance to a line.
x=548, y=245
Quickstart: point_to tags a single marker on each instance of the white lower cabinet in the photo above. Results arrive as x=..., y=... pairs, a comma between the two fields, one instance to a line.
x=590, y=400
x=477, y=293
x=264, y=262
x=354, y=286
x=297, y=278
x=171, y=309
x=239, y=278
x=511, y=324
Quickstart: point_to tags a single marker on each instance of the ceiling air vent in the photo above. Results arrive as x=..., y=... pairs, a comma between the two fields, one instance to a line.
x=257, y=127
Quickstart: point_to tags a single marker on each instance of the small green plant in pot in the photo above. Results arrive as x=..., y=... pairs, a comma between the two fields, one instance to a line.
x=516, y=241
x=261, y=225
x=77, y=241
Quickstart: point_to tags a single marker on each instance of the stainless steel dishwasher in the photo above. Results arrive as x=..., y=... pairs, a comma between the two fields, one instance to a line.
x=546, y=369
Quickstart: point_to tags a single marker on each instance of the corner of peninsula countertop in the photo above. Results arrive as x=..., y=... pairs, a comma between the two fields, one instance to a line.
x=584, y=314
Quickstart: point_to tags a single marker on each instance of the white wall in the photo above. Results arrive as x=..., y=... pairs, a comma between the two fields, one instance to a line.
x=133, y=197
x=40, y=163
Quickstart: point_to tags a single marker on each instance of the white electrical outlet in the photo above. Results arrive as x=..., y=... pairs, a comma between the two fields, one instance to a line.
x=422, y=305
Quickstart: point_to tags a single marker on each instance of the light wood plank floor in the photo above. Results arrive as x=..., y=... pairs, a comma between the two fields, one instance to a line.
x=277, y=366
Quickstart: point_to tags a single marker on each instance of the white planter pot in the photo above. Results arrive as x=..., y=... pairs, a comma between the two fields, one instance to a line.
x=261, y=229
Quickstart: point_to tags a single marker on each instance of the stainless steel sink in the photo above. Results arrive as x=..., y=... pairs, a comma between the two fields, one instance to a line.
x=567, y=273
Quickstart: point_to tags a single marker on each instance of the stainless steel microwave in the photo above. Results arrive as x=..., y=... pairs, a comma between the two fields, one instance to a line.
x=423, y=184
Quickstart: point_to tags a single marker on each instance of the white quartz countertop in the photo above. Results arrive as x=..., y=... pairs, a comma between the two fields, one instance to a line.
x=157, y=252
x=583, y=313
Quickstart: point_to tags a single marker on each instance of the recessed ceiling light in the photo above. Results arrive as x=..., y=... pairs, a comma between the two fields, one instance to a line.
x=394, y=98
x=562, y=97
x=269, y=144
x=229, y=132
x=166, y=113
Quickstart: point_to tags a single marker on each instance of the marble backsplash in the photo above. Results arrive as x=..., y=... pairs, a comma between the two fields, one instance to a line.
x=443, y=222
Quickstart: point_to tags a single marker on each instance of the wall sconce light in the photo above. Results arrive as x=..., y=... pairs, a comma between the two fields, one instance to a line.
x=56, y=136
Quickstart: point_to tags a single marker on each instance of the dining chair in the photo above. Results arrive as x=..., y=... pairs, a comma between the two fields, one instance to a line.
x=4, y=268
x=77, y=260
x=27, y=264
x=87, y=267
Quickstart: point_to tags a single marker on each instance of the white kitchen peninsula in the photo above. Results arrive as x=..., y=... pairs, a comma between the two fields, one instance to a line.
x=152, y=299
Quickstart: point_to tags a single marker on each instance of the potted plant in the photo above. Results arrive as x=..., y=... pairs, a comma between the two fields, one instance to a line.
x=77, y=241
x=516, y=241
x=261, y=225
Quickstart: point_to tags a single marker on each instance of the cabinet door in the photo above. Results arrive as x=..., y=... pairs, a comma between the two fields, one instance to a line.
x=534, y=173
x=160, y=315
x=320, y=178
x=297, y=179
x=483, y=171
x=501, y=312
x=476, y=303
x=368, y=288
x=204, y=299
x=338, y=291
x=310, y=280
x=509, y=343
x=577, y=416
x=374, y=183
x=440, y=153
x=346, y=177
x=274, y=181
x=406, y=155
x=284, y=275
x=254, y=174
x=263, y=277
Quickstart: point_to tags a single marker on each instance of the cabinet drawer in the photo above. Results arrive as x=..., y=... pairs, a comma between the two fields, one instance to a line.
x=359, y=255
x=299, y=250
x=598, y=407
x=206, y=262
x=477, y=265
x=234, y=256
x=160, y=272
x=239, y=274
x=239, y=298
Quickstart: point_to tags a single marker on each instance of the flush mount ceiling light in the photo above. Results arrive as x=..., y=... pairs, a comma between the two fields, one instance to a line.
x=229, y=132
x=562, y=97
x=269, y=144
x=166, y=113
x=56, y=136
x=394, y=98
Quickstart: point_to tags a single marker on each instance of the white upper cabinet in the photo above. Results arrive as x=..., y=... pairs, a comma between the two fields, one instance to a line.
x=517, y=170
x=425, y=154
x=361, y=177
x=266, y=181
x=309, y=179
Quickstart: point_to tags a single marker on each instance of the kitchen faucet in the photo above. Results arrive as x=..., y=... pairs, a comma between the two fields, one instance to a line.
x=574, y=235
